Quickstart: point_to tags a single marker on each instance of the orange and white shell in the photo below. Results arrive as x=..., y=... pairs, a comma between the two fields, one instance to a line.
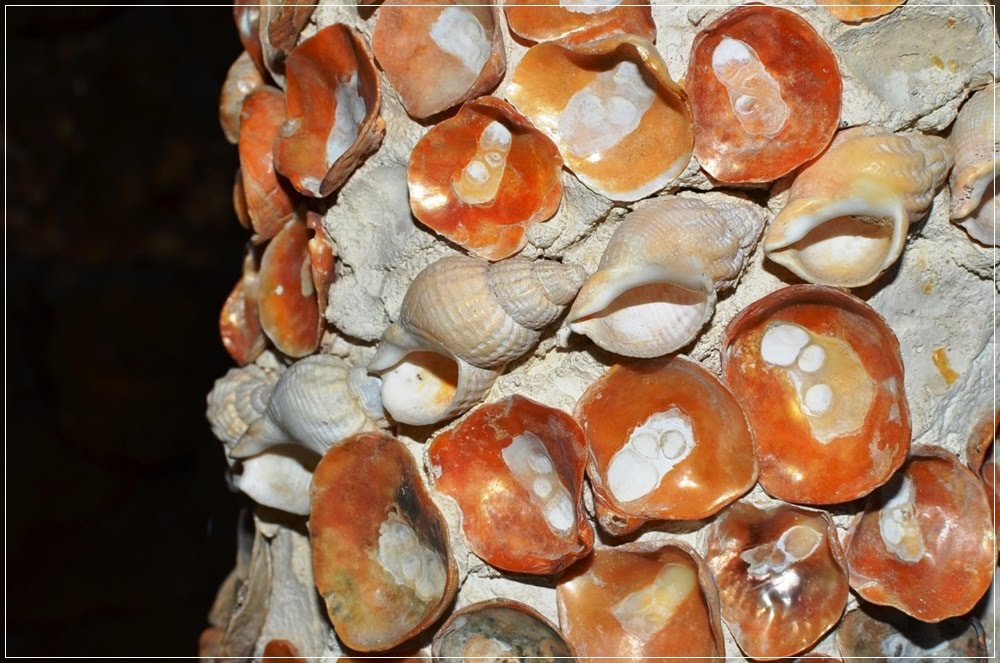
x=500, y=630
x=239, y=321
x=242, y=79
x=977, y=153
x=439, y=53
x=461, y=321
x=484, y=177
x=655, y=287
x=848, y=212
x=856, y=11
x=579, y=20
x=289, y=312
x=621, y=124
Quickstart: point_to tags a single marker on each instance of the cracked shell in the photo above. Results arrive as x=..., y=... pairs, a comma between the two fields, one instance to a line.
x=579, y=20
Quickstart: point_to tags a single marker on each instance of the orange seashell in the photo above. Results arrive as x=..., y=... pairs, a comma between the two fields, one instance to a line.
x=286, y=21
x=667, y=441
x=322, y=260
x=289, y=314
x=781, y=575
x=239, y=323
x=516, y=466
x=642, y=601
x=484, y=177
x=765, y=93
x=242, y=79
x=281, y=650
x=246, y=15
x=333, y=98
x=880, y=635
x=270, y=201
x=381, y=556
x=439, y=53
x=500, y=630
x=925, y=542
x=540, y=20
x=621, y=124
x=855, y=11
x=819, y=374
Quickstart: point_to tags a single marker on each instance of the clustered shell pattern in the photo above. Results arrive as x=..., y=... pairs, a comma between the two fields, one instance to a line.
x=545, y=312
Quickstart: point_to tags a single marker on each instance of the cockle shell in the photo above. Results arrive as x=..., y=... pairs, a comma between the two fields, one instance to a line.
x=765, y=94
x=666, y=441
x=484, y=177
x=925, y=542
x=856, y=11
x=381, y=555
x=820, y=377
x=579, y=20
x=621, y=124
x=977, y=153
x=642, y=601
x=655, y=287
x=242, y=79
x=319, y=401
x=333, y=100
x=500, y=630
x=238, y=399
x=848, y=212
x=516, y=466
x=289, y=312
x=881, y=635
x=781, y=575
x=439, y=53
x=278, y=478
x=461, y=321
x=239, y=322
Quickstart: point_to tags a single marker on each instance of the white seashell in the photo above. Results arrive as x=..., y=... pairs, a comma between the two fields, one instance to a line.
x=462, y=320
x=977, y=153
x=278, y=478
x=317, y=402
x=848, y=212
x=238, y=399
x=655, y=286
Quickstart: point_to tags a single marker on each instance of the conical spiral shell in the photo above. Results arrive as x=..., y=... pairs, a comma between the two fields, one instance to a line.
x=848, y=212
x=655, y=286
x=977, y=152
x=238, y=399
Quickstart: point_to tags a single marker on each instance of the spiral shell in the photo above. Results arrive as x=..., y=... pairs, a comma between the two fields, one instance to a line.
x=848, y=212
x=461, y=321
x=656, y=283
x=977, y=151
x=237, y=399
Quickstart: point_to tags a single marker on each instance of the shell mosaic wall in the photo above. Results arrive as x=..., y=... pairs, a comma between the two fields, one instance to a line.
x=580, y=329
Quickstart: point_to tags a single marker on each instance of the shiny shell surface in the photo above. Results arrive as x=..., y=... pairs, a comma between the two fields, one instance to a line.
x=239, y=321
x=289, y=314
x=579, y=20
x=856, y=11
x=881, y=635
x=242, y=79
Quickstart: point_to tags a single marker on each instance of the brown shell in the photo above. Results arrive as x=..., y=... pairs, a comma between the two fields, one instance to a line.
x=794, y=465
x=719, y=467
x=270, y=200
x=246, y=15
x=500, y=630
x=540, y=20
x=468, y=464
x=855, y=11
x=287, y=21
x=325, y=75
x=289, y=313
x=362, y=488
x=788, y=607
x=793, y=69
x=529, y=188
x=240, y=201
x=322, y=260
x=957, y=556
x=239, y=322
x=427, y=78
x=880, y=635
x=591, y=599
x=242, y=79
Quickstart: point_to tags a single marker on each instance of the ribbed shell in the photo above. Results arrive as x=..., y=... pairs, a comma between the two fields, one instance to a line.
x=237, y=399
x=977, y=151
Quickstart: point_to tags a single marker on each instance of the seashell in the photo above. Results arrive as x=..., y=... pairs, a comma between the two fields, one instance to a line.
x=655, y=286
x=242, y=79
x=240, y=200
x=765, y=94
x=279, y=649
x=322, y=260
x=484, y=177
x=880, y=635
x=819, y=375
x=856, y=11
x=319, y=401
x=439, y=53
x=289, y=313
x=621, y=124
x=270, y=201
x=642, y=601
x=246, y=15
x=381, y=556
x=333, y=99
x=238, y=399
x=252, y=602
x=286, y=20
x=666, y=441
x=848, y=212
x=579, y=20
x=977, y=153
x=519, y=463
x=239, y=323
x=272, y=57
x=278, y=479
x=928, y=527
x=500, y=630
x=781, y=575
x=461, y=321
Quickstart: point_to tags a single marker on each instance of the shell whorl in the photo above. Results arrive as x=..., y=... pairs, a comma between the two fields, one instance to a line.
x=238, y=399
x=534, y=293
x=977, y=151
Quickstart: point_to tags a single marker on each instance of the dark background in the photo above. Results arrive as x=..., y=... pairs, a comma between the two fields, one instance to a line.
x=121, y=247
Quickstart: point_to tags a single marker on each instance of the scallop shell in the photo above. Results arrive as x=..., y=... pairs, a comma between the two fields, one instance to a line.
x=239, y=323
x=461, y=321
x=439, y=53
x=238, y=399
x=289, y=311
x=333, y=100
x=579, y=20
x=279, y=478
x=242, y=79
x=848, y=212
x=977, y=153
x=856, y=11
x=880, y=635
x=655, y=286
x=621, y=124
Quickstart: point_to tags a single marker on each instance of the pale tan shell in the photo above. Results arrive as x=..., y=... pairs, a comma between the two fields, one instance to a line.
x=278, y=478
x=977, y=153
x=656, y=283
x=242, y=79
x=238, y=399
x=888, y=180
x=473, y=316
x=251, y=600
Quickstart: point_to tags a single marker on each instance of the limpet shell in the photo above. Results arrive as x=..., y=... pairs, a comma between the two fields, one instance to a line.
x=289, y=313
x=579, y=20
